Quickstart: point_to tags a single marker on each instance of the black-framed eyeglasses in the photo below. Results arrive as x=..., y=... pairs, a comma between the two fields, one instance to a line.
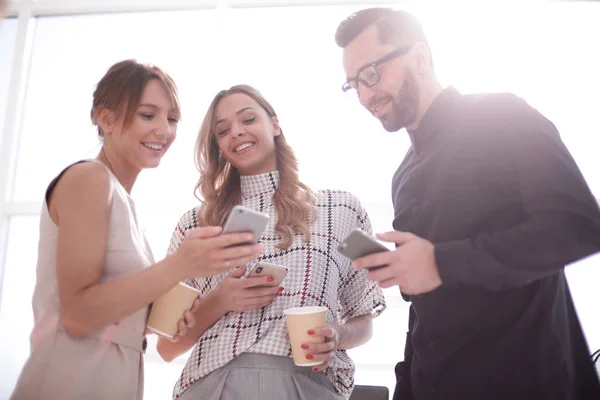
x=368, y=75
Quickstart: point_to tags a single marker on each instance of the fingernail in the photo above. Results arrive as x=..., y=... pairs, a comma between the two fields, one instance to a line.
x=270, y=279
x=315, y=369
x=309, y=356
x=311, y=332
x=281, y=288
x=304, y=346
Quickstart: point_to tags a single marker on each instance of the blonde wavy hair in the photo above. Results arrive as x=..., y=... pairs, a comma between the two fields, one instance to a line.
x=218, y=187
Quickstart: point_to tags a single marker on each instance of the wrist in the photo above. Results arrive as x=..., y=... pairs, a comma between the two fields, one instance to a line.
x=342, y=333
x=216, y=301
x=177, y=266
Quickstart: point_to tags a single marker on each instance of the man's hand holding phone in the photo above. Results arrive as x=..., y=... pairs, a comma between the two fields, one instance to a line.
x=411, y=265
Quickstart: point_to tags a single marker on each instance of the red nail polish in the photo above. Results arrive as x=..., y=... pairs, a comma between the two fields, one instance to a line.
x=309, y=356
x=304, y=346
x=281, y=289
x=311, y=332
x=270, y=279
x=315, y=369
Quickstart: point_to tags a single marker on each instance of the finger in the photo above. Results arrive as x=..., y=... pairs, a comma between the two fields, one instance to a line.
x=320, y=356
x=260, y=293
x=195, y=306
x=181, y=328
x=397, y=237
x=205, y=232
x=227, y=264
x=388, y=283
x=383, y=274
x=241, y=251
x=189, y=319
x=320, y=367
x=256, y=281
x=375, y=260
x=326, y=332
x=237, y=272
x=232, y=239
x=318, y=348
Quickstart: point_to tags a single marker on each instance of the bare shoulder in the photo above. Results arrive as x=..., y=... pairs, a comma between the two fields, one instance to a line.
x=84, y=185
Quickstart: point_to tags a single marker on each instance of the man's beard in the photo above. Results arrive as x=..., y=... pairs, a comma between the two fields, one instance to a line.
x=405, y=105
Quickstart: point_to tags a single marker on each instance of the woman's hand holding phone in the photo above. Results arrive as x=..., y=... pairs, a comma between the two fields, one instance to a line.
x=251, y=293
x=205, y=252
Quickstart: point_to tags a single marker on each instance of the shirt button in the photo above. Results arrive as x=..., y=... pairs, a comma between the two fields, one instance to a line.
x=432, y=391
x=431, y=345
x=144, y=344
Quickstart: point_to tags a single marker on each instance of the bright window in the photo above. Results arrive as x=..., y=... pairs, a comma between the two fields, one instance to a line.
x=339, y=145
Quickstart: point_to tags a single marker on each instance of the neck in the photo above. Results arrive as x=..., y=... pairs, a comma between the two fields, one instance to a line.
x=124, y=172
x=428, y=94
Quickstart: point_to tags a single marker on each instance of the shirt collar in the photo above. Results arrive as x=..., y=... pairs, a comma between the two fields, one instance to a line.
x=253, y=185
x=436, y=117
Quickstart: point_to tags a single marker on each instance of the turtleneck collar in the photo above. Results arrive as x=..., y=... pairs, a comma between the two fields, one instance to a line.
x=253, y=185
x=436, y=117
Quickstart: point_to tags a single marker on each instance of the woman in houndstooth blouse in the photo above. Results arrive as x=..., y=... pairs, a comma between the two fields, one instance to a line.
x=240, y=349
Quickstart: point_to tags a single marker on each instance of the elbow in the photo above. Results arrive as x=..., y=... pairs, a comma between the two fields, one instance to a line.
x=74, y=327
x=164, y=351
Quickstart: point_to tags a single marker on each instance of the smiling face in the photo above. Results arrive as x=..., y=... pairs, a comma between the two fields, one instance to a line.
x=143, y=141
x=245, y=134
x=394, y=99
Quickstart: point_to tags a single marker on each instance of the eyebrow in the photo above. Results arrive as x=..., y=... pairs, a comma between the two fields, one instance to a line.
x=153, y=106
x=237, y=113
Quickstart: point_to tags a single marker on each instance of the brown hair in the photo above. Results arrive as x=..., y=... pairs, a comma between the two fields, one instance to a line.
x=218, y=187
x=395, y=27
x=121, y=87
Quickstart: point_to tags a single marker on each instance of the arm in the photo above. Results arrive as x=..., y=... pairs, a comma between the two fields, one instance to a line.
x=355, y=332
x=206, y=315
x=233, y=294
x=82, y=199
x=563, y=223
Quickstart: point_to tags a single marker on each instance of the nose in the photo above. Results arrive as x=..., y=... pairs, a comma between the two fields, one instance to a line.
x=365, y=94
x=164, y=129
x=237, y=130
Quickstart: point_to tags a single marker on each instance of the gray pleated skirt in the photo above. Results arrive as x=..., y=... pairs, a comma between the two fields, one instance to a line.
x=252, y=376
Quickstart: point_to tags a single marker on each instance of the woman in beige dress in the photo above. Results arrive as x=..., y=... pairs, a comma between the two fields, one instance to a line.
x=96, y=275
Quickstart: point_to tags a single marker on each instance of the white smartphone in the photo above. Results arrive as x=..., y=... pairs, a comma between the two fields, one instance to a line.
x=243, y=219
x=262, y=268
x=359, y=244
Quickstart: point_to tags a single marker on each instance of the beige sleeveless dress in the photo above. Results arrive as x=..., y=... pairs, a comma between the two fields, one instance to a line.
x=107, y=364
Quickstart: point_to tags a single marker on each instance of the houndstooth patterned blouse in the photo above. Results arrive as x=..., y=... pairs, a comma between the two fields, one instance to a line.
x=318, y=276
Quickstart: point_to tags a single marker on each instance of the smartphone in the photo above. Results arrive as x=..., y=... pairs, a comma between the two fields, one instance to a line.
x=359, y=244
x=262, y=268
x=243, y=219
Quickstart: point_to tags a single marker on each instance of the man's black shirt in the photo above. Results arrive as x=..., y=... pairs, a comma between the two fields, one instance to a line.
x=489, y=182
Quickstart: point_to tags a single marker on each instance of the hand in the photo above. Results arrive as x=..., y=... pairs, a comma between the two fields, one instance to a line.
x=204, y=252
x=411, y=266
x=236, y=294
x=323, y=351
x=188, y=321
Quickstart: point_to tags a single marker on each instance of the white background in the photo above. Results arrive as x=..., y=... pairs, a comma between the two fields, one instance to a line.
x=53, y=52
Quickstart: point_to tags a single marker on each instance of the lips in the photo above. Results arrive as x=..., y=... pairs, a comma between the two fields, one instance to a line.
x=154, y=145
x=377, y=107
x=243, y=147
